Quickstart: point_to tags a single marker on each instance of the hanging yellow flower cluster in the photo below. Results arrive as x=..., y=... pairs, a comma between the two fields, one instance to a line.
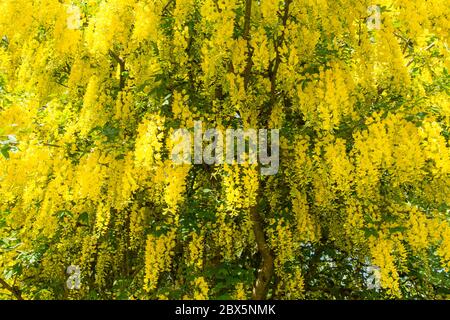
x=92, y=91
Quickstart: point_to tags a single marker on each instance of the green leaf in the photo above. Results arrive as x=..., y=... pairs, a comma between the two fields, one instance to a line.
x=84, y=218
x=398, y=229
x=5, y=151
x=370, y=232
x=110, y=132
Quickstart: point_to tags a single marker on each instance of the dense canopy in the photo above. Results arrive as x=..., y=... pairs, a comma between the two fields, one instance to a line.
x=92, y=90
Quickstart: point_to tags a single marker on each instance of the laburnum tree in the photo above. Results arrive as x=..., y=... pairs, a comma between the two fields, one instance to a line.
x=92, y=90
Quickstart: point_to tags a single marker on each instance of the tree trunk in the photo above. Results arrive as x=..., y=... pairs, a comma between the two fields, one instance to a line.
x=265, y=272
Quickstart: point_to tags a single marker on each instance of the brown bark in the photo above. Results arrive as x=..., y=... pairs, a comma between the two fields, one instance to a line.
x=14, y=290
x=265, y=273
x=246, y=36
x=266, y=270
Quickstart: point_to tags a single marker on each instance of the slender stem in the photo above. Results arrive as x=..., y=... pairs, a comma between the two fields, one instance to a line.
x=246, y=36
x=14, y=290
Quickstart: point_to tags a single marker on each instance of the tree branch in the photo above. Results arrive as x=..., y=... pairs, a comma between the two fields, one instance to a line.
x=121, y=63
x=273, y=69
x=265, y=273
x=14, y=290
x=246, y=36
